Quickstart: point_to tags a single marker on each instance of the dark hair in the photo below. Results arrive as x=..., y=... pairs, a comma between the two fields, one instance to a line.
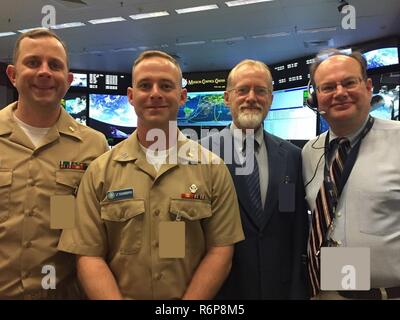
x=35, y=34
x=325, y=54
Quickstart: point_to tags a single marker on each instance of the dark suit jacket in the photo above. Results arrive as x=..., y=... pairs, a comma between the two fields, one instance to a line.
x=271, y=262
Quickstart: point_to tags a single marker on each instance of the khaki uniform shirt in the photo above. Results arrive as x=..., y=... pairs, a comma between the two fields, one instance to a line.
x=124, y=230
x=29, y=176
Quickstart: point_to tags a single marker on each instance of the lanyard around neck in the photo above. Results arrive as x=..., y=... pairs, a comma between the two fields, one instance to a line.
x=350, y=161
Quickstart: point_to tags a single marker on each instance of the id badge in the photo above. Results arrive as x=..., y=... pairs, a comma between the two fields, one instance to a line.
x=62, y=212
x=286, y=197
x=171, y=239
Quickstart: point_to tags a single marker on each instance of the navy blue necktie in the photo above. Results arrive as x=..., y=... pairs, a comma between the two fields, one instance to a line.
x=253, y=184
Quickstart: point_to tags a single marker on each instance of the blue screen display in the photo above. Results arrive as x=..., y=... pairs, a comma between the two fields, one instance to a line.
x=76, y=105
x=112, y=114
x=289, y=118
x=381, y=57
x=80, y=80
x=204, y=109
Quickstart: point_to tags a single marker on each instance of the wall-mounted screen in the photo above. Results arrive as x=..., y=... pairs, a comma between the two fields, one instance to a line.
x=112, y=114
x=80, y=80
x=107, y=82
x=76, y=105
x=381, y=57
x=204, y=109
x=385, y=96
x=289, y=118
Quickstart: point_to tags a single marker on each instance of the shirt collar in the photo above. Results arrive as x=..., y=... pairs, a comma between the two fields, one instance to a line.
x=65, y=124
x=239, y=137
x=353, y=137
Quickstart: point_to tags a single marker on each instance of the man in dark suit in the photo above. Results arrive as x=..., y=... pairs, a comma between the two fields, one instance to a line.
x=270, y=263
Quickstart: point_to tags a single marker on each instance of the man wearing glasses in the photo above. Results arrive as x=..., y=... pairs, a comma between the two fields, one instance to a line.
x=362, y=202
x=266, y=171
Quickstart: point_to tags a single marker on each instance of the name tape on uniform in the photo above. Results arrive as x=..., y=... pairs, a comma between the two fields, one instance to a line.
x=120, y=194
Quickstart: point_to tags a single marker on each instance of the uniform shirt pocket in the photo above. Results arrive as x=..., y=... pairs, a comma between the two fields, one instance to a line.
x=380, y=212
x=67, y=181
x=192, y=212
x=124, y=224
x=5, y=191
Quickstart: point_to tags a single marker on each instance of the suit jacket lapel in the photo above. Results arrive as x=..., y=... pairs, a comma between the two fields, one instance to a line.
x=276, y=170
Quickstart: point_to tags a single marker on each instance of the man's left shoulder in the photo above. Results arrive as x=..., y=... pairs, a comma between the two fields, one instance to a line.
x=382, y=124
x=86, y=132
x=204, y=155
x=282, y=143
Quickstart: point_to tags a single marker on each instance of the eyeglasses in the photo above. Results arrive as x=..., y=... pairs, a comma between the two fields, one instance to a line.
x=245, y=90
x=331, y=87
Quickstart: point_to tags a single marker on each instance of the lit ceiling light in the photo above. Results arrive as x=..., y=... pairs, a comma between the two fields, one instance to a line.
x=30, y=29
x=106, y=20
x=124, y=49
x=149, y=15
x=271, y=35
x=190, y=43
x=233, y=39
x=316, y=30
x=6, y=34
x=244, y=2
x=67, y=25
x=196, y=9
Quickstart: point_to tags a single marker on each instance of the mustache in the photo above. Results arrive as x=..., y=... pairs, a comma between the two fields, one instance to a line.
x=254, y=106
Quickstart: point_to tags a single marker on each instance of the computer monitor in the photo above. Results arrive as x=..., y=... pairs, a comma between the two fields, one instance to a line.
x=289, y=118
x=75, y=103
x=206, y=109
x=112, y=114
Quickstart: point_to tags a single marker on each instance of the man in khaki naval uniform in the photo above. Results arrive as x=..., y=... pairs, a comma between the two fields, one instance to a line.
x=150, y=228
x=44, y=152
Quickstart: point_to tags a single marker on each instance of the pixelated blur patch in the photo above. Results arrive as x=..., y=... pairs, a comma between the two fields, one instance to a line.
x=62, y=212
x=345, y=268
x=171, y=239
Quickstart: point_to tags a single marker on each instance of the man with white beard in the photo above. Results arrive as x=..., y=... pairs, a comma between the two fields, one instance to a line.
x=271, y=262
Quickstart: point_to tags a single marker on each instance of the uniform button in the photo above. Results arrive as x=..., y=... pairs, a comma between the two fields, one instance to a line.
x=339, y=214
x=157, y=212
x=158, y=276
x=155, y=243
x=30, y=182
x=29, y=213
x=28, y=244
x=25, y=275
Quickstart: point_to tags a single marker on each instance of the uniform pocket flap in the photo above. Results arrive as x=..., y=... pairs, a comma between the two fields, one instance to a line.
x=191, y=209
x=5, y=178
x=122, y=210
x=69, y=178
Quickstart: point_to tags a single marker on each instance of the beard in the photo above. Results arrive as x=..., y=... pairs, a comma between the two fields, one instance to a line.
x=250, y=119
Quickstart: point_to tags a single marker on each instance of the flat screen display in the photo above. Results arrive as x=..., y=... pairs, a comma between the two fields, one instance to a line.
x=381, y=57
x=76, y=105
x=204, y=109
x=112, y=114
x=80, y=80
x=385, y=96
x=289, y=118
